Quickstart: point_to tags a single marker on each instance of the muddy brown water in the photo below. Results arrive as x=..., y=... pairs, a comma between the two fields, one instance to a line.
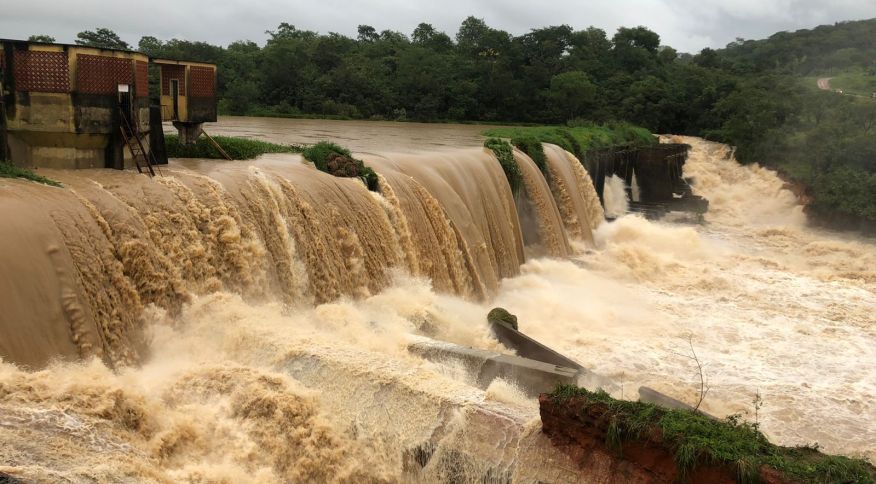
x=363, y=136
x=247, y=321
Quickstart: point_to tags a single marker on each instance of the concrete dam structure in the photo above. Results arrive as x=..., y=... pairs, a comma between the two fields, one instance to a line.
x=73, y=106
x=653, y=178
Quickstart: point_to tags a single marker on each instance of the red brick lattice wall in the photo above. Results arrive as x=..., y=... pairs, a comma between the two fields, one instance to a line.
x=203, y=83
x=141, y=73
x=173, y=71
x=102, y=75
x=37, y=71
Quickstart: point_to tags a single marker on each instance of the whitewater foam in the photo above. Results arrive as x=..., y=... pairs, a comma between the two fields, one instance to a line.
x=275, y=305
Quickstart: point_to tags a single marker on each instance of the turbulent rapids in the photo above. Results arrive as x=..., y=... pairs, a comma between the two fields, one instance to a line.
x=251, y=321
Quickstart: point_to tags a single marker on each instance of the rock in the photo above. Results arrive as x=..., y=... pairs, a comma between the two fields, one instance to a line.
x=501, y=314
x=343, y=166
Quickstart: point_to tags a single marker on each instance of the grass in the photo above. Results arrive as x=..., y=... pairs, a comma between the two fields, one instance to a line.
x=854, y=82
x=237, y=148
x=694, y=438
x=318, y=155
x=533, y=148
x=578, y=138
x=505, y=154
x=8, y=170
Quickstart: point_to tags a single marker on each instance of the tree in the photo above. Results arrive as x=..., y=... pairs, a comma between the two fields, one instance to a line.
x=648, y=104
x=367, y=33
x=241, y=95
x=472, y=34
x=41, y=38
x=149, y=45
x=589, y=52
x=635, y=49
x=639, y=37
x=425, y=35
x=284, y=31
x=667, y=54
x=103, y=38
x=572, y=93
x=708, y=58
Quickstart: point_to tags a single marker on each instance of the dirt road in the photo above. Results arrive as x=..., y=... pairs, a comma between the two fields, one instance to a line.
x=824, y=83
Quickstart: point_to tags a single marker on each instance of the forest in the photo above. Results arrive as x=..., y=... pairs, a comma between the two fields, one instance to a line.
x=758, y=95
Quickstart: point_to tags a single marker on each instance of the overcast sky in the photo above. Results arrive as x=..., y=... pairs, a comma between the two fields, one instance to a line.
x=687, y=25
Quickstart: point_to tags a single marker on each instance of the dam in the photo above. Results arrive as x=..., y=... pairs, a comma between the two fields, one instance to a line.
x=251, y=321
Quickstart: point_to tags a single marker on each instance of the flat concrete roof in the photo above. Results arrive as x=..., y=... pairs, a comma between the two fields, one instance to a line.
x=180, y=62
x=19, y=41
x=79, y=46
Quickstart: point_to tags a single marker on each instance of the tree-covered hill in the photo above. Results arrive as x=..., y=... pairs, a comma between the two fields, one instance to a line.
x=777, y=116
x=824, y=49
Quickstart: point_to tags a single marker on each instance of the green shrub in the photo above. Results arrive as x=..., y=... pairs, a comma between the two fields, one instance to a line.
x=533, y=148
x=629, y=134
x=580, y=136
x=505, y=154
x=847, y=190
x=319, y=154
x=574, y=146
x=501, y=315
x=369, y=176
x=237, y=148
x=8, y=170
x=695, y=437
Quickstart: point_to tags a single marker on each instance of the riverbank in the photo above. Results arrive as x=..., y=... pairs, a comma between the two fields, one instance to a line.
x=646, y=443
x=238, y=148
x=825, y=217
x=265, y=112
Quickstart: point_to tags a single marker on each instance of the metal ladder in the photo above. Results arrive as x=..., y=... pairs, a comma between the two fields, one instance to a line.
x=135, y=145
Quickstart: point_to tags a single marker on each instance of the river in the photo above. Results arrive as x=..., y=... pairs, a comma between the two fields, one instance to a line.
x=249, y=320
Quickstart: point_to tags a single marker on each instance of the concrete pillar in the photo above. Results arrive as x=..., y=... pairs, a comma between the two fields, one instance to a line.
x=188, y=132
x=156, y=136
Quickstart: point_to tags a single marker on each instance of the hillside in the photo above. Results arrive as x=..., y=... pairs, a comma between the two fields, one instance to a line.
x=823, y=141
x=823, y=49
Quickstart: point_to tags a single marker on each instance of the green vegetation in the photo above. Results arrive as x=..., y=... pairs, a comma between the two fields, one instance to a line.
x=318, y=154
x=695, y=438
x=102, y=38
x=324, y=156
x=577, y=139
x=237, y=148
x=532, y=146
x=855, y=81
x=505, y=154
x=819, y=139
x=8, y=170
x=502, y=315
x=483, y=74
x=41, y=38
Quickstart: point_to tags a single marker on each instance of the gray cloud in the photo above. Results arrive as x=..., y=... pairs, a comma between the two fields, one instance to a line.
x=687, y=25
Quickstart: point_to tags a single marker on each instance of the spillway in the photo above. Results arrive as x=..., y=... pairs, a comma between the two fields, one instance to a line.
x=250, y=321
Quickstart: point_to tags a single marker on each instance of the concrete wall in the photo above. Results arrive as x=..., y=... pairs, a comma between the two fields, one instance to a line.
x=196, y=103
x=72, y=127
